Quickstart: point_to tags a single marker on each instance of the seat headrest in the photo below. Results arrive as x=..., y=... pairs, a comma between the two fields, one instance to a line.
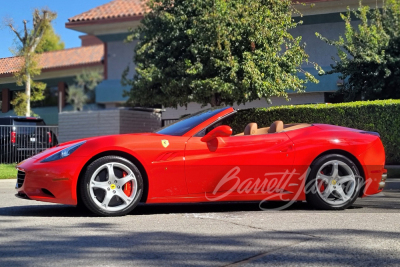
x=276, y=127
x=251, y=129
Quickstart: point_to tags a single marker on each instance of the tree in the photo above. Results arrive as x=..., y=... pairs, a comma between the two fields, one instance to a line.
x=50, y=42
x=216, y=52
x=82, y=91
x=29, y=41
x=368, y=54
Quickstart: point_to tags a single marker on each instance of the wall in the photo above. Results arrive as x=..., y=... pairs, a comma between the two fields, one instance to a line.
x=76, y=125
x=319, y=51
x=120, y=55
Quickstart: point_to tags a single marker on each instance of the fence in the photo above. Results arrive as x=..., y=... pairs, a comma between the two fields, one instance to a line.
x=18, y=143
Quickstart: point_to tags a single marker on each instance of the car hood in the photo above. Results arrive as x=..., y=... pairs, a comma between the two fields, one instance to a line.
x=95, y=141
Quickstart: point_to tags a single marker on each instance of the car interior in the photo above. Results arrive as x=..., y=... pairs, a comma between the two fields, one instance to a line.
x=276, y=127
x=252, y=128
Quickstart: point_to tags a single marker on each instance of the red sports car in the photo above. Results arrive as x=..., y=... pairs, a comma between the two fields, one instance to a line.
x=197, y=159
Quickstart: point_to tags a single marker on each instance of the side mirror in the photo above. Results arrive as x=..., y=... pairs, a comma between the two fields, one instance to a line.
x=220, y=131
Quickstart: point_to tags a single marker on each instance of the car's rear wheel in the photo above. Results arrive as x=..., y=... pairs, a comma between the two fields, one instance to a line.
x=333, y=183
x=112, y=186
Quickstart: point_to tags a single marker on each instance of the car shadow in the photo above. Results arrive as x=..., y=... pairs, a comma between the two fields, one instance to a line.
x=56, y=210
x=390, y=202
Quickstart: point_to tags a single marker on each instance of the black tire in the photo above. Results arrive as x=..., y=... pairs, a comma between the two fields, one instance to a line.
x=85, y=193
x=313, y=193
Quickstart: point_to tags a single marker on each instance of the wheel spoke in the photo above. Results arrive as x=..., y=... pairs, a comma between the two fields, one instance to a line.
x=325, y=178
x=126, y=179
x=110, y=169
x=341, y=194
x=345, y=179
x=107, y=199
x=123, y=197
x=102, y=185
x=335, y=170
x=327, y=191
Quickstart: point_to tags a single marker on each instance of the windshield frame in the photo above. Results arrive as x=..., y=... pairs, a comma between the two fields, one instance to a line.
x=193, y=129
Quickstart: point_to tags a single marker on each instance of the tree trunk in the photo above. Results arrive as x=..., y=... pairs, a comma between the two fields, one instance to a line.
x=28, y=94
x=215, y=100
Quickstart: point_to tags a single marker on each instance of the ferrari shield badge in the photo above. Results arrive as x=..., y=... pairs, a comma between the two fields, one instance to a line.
x=165, y=143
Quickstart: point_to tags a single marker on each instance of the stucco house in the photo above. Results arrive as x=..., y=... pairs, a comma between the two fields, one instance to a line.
x=111, y=22
x=59, y=69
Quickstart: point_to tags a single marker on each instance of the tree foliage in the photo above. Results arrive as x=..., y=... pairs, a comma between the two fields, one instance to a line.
x=369, y=53
x=50, y=42
x=216, y=52
x=82, y=91
x=29, y=40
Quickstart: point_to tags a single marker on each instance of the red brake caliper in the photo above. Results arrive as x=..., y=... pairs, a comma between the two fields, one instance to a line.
x=321, y=187
x=128, y=186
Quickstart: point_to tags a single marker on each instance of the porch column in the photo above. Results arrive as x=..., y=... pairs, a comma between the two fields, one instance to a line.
x=5, y=104
x=105, y=61
x=61, y=96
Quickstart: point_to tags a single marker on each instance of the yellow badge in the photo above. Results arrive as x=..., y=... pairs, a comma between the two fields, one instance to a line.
x=165, y=143
x=334, y=182
x=112, y=186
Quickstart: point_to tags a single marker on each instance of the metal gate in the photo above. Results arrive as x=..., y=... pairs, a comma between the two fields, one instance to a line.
x=18, y=143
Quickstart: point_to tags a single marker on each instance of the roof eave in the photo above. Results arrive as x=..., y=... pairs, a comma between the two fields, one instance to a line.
x=80, y=23
x=44, y=70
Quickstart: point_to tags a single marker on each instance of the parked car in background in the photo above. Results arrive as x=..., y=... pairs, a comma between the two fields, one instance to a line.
x=23, y=137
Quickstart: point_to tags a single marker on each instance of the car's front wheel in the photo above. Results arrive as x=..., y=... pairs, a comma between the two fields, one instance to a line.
x=112, y=186
x=333, y=183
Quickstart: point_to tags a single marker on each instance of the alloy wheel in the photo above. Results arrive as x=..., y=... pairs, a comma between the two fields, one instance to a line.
x=113, y=186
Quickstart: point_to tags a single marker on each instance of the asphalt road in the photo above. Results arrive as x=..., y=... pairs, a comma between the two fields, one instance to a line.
x=230, y=234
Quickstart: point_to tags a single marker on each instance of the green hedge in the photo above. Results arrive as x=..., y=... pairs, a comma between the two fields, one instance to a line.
x=382, y=116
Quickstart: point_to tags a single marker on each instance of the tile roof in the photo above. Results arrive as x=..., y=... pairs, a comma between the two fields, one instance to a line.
x=112, y=10
x=130, y=8
x=58, y=59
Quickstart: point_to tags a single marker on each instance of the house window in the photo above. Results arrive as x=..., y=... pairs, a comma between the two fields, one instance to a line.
x=50, y=98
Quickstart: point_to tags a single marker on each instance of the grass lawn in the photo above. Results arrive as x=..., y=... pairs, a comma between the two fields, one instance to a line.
x=8, y=171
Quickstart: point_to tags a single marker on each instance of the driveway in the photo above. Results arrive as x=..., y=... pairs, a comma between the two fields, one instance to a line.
x=229, y=234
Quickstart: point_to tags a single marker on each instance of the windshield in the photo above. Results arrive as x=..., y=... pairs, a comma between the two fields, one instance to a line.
x=24, y=122
x=188, y=123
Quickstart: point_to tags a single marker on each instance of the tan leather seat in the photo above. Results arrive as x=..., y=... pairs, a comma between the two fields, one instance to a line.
x=276, y=127
x=251, y=129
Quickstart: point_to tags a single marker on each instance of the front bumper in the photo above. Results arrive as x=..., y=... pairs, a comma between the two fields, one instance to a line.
x=50, y=182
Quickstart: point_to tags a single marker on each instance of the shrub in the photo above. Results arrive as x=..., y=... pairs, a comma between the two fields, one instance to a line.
x=381, y=116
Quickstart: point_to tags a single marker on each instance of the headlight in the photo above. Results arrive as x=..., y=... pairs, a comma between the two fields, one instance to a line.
x=63, y=153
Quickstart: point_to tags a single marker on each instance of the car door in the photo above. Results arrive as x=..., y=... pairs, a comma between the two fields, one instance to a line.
x=234, y=163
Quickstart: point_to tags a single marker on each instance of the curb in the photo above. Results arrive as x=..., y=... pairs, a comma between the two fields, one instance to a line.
x=392, y=184
x=393, y=171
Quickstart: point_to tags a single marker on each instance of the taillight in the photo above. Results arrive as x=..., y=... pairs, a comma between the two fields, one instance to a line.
x=49, y=135
x=13, y=137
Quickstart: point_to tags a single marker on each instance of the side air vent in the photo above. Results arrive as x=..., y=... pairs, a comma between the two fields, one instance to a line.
x=20, y=178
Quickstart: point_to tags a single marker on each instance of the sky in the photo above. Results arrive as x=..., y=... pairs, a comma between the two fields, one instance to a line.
x=19, y=10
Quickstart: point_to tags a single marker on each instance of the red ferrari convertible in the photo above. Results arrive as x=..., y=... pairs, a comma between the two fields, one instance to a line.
x=197, y=159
